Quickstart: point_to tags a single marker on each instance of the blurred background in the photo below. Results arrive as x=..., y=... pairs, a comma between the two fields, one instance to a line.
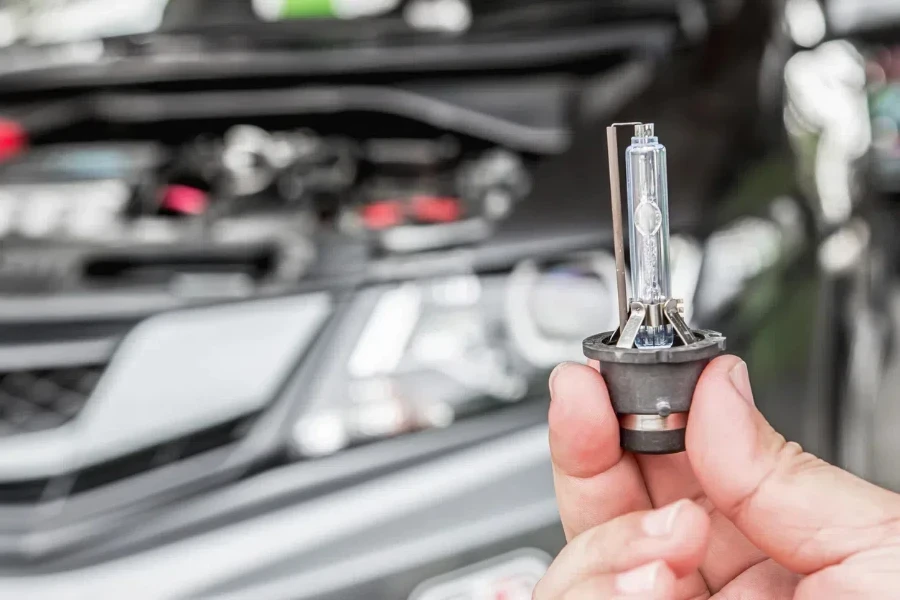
x=281, y=281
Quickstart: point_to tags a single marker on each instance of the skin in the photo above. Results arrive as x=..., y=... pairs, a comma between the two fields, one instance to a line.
x=742, y=515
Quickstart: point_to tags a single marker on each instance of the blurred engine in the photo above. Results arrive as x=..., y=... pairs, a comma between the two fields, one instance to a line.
x=235, y=214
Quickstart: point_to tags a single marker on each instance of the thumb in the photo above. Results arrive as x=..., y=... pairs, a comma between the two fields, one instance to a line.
x=798, y=509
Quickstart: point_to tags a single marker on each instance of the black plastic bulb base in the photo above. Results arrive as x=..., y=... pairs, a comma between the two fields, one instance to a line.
x=651, y=390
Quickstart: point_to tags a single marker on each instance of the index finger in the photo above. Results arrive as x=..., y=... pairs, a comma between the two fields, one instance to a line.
x=595, y=481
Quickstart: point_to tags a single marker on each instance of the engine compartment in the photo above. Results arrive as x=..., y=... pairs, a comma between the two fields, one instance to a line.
x=217, y=206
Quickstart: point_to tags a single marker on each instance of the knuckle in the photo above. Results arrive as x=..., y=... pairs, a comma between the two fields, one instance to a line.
x=812, y=541
x=794, y=461
x=890, y=531
x=701, y=500
x=833, y=582
x=604, y=545
x=597, y=547
x=789, y=461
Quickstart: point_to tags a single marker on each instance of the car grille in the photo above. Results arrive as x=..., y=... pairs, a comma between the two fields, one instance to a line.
x=123, y=467
x=42, y=399
x=37, y=400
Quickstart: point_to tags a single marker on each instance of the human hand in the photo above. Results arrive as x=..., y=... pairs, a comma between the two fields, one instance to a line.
x=746, y=515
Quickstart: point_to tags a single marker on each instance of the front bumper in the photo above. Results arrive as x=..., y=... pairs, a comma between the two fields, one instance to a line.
x=376, y=539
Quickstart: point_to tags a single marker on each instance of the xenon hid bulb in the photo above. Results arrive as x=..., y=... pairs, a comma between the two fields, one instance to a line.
x=652, y=361
x=648, y=221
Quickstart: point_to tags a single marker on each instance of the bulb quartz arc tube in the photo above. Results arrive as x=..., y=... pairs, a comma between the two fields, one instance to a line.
x=648, y=222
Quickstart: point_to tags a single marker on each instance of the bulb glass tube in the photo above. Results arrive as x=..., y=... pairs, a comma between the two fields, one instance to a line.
x=648, y=221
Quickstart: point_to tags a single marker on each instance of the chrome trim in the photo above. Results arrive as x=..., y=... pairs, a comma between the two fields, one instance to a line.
x=653, y=422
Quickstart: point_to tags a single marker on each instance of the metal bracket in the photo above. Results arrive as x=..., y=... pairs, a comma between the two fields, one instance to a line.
x=674, y=316
x=615, y=196
x=635, y=320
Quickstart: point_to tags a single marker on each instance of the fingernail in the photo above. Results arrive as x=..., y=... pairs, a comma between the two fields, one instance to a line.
x=556, y=371
x=641, y=579
x=740, y=379
x=661, y=522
